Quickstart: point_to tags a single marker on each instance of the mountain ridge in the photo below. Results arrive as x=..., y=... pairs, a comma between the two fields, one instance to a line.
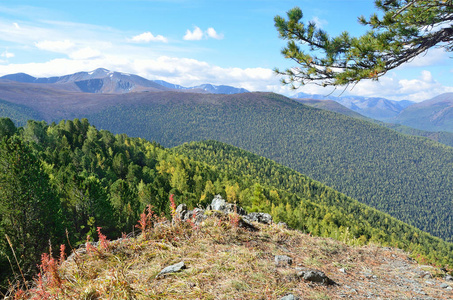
x=433, y=114
x=104, y=81
x=378, y=108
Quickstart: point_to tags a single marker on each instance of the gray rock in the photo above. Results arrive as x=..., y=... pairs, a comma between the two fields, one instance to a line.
x=444, y=285
x=181, y=212
x=282, y=225
x=283, y=261
x=314, y=276
x=259, y=217
x=290, y=297
x=172, y=269
x=449, y=278
x=197, y=215
x=220, y=204
x=342, y=270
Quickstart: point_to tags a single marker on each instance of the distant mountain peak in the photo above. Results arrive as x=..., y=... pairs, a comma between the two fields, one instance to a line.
x=102, y=80
x=372, y=107
x=99, y=80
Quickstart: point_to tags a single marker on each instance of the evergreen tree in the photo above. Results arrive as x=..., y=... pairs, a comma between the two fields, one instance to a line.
x=29, y=208
x=405, y=29
x=7, y=127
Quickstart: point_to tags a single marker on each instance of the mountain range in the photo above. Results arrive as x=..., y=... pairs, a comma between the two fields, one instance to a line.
x=434, y=114
x=431, y=115
x=110, y=82
x=443, y=137
x=376, y=108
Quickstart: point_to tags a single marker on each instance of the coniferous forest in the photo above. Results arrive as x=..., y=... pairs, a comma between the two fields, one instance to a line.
x=408, y=177
x=60, y=182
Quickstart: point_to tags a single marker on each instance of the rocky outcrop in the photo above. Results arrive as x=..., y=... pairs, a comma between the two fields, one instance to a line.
x=219, y=204
x=259, y=217
x=221, y=207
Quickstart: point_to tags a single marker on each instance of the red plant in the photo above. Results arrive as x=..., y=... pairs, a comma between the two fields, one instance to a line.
x=234, y=218
x=20, y=294
x=49, y=268
x=62, y=253
x=172, y=207
x=89, y=247
x=104, y=242
x=146, y=218
x=191, y=220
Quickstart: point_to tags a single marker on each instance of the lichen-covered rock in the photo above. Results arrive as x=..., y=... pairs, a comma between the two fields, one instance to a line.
x=181, y=212
x=172, y=269
x=197, y=215
x=283, y=261
x=219, y=204
x=263, y=218
x=290, y=297
x=314, y=276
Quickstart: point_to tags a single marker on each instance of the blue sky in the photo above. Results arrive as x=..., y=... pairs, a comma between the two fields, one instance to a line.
x=185, y=42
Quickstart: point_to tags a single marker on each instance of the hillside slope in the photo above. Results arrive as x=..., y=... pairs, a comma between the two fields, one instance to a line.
x=218, y=260
x=372, y=107
x=76, y=178
x=442, y=137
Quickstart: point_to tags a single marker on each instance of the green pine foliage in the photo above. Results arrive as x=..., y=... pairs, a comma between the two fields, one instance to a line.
x=398, y=32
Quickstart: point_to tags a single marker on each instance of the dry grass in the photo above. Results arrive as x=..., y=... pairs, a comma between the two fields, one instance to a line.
x=226, y=262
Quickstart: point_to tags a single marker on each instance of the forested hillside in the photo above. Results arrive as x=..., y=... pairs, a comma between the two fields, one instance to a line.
x=407, y=177
x=71, y=177
x=442, y=137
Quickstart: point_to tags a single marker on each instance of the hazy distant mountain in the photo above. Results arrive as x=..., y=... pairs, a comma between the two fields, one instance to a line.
x=442, y=137
x=204, y=88
x=435, y=114
x=331, y=105
x=376, y=108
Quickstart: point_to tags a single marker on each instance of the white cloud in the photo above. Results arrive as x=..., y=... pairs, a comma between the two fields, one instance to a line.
x=434, y=56
x=197, y=34
x=213, y=34
x=7, y=54
x=194, y=35
x=55, y=46
x=147, y=37
x=422, y=88
x=85, y=53
x=320, y=23
x=16, y=25
x=427, y=76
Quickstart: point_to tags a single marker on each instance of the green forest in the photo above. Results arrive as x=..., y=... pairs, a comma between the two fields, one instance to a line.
x=408, y=177
x=60, y=182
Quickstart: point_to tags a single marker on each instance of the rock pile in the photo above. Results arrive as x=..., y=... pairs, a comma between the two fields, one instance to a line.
x=221, y=207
